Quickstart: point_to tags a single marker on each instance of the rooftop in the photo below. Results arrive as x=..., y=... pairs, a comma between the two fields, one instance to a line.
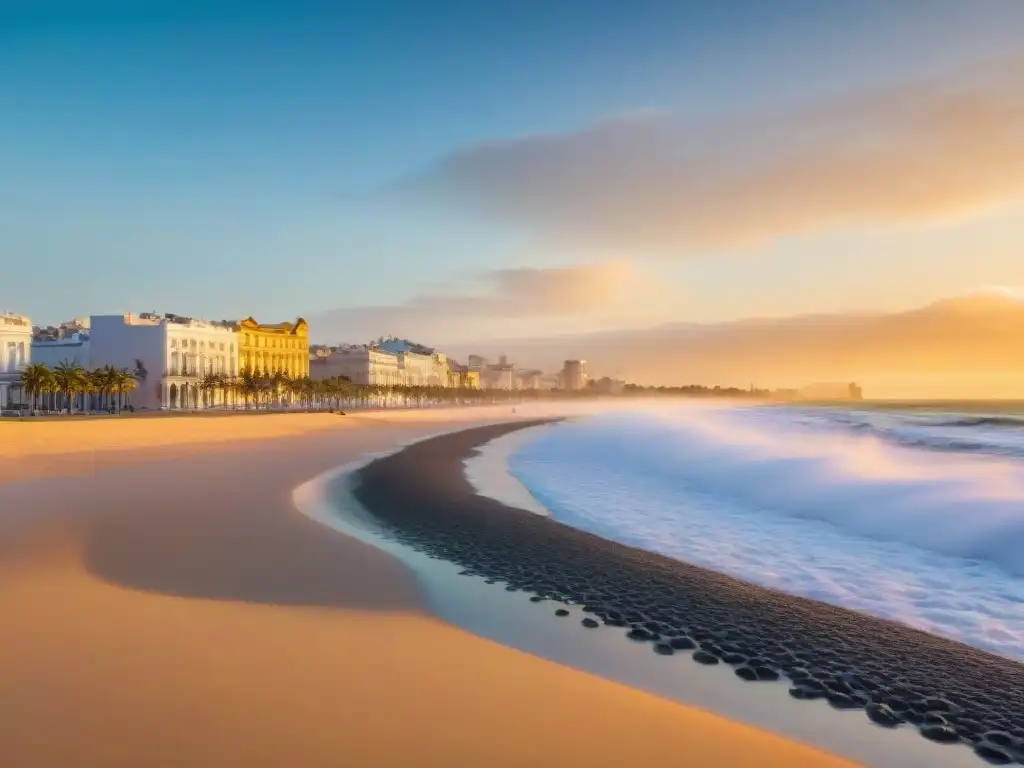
x=250, y=323
x=404, y=345
x=9, y=318
x=169, y=318
x=52, y=340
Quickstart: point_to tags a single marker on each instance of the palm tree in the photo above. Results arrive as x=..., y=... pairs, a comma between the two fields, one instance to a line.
x=103, y=381
x=231, y=390
x=249, y=386
x=35, y=377
x=296, y=388
x=50, y=389
x=278, y=384
x=211, y=383
x=92, y=389
x=124, y=384
x=70, y=379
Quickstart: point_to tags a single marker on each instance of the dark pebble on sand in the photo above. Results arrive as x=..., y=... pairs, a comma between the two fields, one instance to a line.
x=664, y=649
x=746, y=673
x=940, y=733
x=703, y=657
x=1002, y=739
x=536, y=599
x=682, y=643
x=766, y=673
x=561, y=612
x=590, y=623
x=814, y=684
x=882, y=715
x=640, y=635
x=936, y=704
x=993, y=754
x=841, y=700
x=804, y=693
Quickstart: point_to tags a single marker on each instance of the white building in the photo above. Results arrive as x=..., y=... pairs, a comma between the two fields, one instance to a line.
x=15, y=354
x=420, y=366
x=73, y=349
x=530, y=379
x=418, y=370
x=366, y=366
x=574, y=375
x=498, y=377
x=393, y=363
x=501, y=375
x=170, y=356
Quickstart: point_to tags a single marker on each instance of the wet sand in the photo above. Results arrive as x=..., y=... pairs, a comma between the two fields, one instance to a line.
x=170, y=607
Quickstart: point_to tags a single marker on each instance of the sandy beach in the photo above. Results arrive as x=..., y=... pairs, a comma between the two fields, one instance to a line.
x=165, y=605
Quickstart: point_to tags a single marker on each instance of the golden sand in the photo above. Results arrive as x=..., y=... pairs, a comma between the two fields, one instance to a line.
x=183, y=614
x=73, y=434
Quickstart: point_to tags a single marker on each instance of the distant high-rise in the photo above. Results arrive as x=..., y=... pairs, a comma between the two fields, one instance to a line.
x=574, y=374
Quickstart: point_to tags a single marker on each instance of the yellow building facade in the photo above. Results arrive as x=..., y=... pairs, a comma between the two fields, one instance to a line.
x=280, y=348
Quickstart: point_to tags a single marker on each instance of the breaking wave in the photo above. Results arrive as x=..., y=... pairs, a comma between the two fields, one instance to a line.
x=916, y=518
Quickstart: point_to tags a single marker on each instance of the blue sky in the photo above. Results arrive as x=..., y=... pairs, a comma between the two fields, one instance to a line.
x=211, y=158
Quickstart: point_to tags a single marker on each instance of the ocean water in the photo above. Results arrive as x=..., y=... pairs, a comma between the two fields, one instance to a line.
x=915, y=515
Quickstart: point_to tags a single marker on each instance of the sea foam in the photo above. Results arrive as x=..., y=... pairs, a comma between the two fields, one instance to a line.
x=879, y=512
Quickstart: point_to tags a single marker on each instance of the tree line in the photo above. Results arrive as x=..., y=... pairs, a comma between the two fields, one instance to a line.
x=105, y=388
x=70, y=387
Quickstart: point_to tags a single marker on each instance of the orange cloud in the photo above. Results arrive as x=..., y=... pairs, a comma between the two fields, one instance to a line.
x=674, y=184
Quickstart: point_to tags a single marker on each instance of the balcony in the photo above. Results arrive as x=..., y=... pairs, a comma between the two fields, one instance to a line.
x=183, y=372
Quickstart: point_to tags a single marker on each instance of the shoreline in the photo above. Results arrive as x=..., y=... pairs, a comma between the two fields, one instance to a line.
x=488, y=472
x=329, y=500
x=948, y=690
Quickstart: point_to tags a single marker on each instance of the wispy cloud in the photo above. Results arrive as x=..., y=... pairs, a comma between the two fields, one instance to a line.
x=500, y=296
x=676, y=184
